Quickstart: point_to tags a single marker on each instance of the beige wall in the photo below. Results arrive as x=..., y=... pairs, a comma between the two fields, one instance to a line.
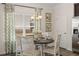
x=63, y=14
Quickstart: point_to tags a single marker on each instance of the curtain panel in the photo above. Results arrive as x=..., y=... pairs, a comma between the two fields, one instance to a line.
x=10, y=42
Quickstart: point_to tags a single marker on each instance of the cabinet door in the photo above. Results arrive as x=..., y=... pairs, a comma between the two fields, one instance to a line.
x=76, y=9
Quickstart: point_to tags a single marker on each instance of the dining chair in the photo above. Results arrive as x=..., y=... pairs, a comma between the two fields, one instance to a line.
x=19, y=51
x=55, y=50
x=27, y=47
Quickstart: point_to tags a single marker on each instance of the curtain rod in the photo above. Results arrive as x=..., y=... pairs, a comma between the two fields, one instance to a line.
x=26, y=6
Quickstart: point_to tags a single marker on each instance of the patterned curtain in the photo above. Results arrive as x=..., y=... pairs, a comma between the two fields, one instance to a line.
x=10, y=43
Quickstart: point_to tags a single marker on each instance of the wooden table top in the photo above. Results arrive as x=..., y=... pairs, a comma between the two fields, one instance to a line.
x=43, y=41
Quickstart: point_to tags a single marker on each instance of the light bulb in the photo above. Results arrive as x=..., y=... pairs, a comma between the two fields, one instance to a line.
x=32, y=17
x=39, y=17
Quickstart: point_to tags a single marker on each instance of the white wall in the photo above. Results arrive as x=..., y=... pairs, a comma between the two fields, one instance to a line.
x=2, y=34
x=63, y=14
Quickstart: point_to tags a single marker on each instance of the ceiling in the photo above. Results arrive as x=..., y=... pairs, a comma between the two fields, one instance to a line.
x=39, y=5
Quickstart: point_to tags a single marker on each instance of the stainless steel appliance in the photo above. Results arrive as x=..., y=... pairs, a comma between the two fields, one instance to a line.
x=75, y=40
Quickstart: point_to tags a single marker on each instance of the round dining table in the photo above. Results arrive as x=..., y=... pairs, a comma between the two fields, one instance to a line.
x=43, y=42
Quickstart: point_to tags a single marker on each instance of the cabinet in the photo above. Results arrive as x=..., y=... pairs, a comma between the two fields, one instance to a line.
x=76, y=9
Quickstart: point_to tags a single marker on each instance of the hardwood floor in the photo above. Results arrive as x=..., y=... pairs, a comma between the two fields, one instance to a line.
x=65, y=52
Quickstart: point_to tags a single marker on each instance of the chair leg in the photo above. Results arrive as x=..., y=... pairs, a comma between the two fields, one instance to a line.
x=59, y=52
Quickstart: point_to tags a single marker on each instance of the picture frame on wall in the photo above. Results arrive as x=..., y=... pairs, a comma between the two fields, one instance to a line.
x=48, y=17
x=48, y=23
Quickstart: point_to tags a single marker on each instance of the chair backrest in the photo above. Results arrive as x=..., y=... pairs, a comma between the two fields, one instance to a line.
x=28, y=46
x=57, y=45
x=18, y=46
